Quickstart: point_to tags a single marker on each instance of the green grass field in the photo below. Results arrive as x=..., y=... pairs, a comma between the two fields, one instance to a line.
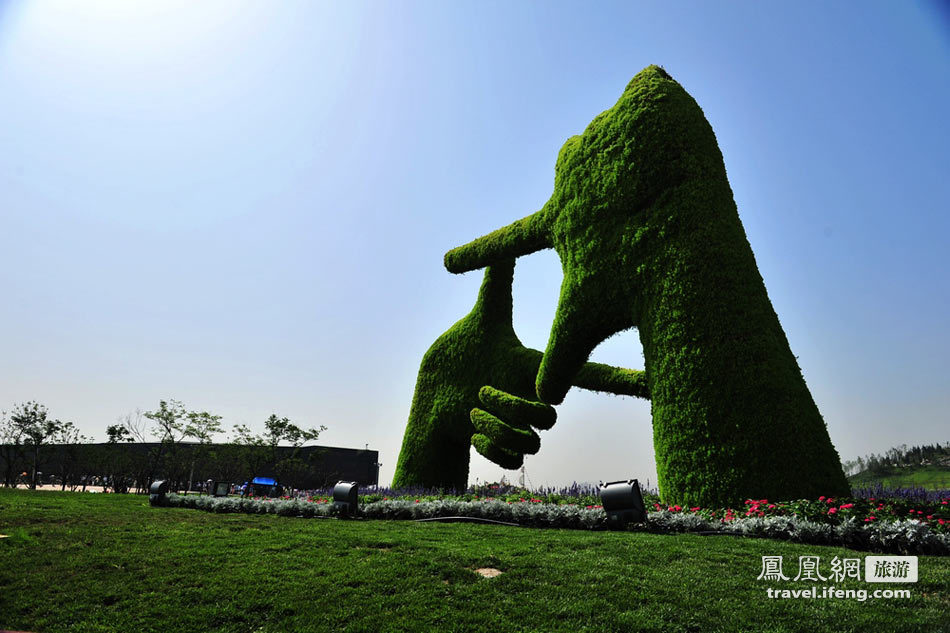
x=83, y=562
x=930, y=477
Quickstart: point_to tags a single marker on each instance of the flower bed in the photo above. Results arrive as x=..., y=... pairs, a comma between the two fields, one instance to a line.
x=894, y=525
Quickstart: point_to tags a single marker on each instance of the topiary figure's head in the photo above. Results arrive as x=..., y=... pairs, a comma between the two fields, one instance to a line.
x=601, y=218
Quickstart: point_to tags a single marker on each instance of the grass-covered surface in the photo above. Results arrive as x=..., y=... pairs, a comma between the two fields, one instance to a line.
x=83, y=562
x=929, y=477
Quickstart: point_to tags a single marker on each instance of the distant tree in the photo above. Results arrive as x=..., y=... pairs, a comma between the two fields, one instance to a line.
x=116, y=434
x=11, y=449
x=226, y=462
x=172, y=424
x=202, y=427
x=33, y=419
x=70, y=440
x=131, y=427
x=902, y=456
x=169, y=422
x=253, y=450
x=169, y=427
x=266, y=449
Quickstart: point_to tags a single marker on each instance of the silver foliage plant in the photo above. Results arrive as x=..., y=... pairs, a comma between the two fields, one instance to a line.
x=906, y=536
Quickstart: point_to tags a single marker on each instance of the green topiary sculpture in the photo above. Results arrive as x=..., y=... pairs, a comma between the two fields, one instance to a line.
x=454, y=407
x=648, y=234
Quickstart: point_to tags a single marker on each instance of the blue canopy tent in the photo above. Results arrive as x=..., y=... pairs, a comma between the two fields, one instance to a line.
x=262, y=487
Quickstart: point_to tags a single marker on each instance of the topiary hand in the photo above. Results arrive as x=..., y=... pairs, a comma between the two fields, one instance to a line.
x=476, y=387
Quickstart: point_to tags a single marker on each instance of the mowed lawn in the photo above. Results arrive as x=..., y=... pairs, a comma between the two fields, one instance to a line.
x=92, y=562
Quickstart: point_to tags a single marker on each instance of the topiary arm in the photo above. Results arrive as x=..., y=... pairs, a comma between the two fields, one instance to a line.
x=597, y=377
x=522, y=237
x=610, y=379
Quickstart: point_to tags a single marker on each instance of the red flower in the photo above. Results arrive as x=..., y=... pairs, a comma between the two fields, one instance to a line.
x=821, y=498
x=832, y=510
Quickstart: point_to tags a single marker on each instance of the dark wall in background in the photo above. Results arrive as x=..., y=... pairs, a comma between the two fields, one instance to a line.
x=136, y=463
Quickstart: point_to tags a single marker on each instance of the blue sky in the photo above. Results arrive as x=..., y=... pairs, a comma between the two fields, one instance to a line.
x=244, y=206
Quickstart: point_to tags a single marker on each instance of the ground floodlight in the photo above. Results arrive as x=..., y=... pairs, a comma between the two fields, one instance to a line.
x=157, y=492
x=346, y=497
x=622, y=502
x=222, y=488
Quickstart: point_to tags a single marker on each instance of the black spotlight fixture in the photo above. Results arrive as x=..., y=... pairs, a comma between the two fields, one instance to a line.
x=622, y=502
x=346, y=497
x=157, y=492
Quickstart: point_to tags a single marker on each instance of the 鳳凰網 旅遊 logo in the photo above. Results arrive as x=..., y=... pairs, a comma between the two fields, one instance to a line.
x=876, y=569
x=809, y=570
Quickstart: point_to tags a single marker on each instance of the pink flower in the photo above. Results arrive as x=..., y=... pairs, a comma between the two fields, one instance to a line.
x=696, y=509
x=832, y=510
x=821, y=498
x=847, y=505
x=771, y=505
